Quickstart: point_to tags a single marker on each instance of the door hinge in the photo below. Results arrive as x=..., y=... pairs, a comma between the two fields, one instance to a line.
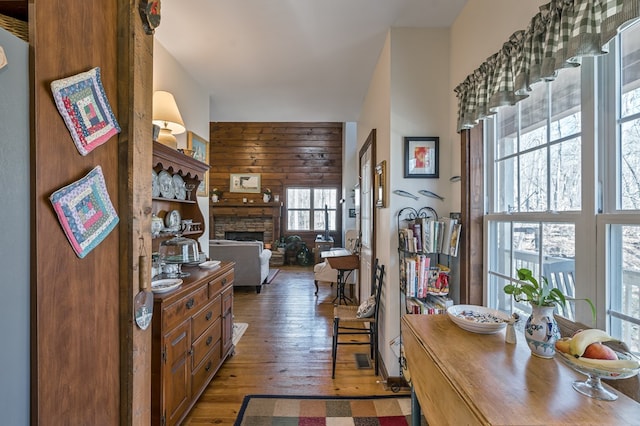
x=163, y=420
x=164, y=354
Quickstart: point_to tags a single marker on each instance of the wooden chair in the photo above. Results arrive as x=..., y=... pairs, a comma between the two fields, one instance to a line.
x=630, y=386
x=561, y=276
x=347, y=323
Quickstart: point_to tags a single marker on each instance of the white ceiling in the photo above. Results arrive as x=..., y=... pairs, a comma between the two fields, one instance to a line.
x=288, y=60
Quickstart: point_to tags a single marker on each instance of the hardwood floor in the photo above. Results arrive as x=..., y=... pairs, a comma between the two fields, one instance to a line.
x=286, y=350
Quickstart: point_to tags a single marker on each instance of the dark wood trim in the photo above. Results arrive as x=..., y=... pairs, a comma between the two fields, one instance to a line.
x=471, y=253
x=135, y=72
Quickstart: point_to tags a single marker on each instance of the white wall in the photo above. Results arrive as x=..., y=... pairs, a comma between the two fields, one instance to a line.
x=407, y=97
x=193, y=103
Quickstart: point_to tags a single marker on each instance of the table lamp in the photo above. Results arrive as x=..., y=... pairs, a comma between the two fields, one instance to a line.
x=167, y=116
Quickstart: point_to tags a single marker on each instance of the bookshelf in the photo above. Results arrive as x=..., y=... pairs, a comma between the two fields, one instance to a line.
x=426, y=244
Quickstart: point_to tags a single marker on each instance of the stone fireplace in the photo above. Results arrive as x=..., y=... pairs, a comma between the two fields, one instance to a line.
x=261, y=220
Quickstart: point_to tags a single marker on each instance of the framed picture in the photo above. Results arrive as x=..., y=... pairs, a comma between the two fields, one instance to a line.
x=245, y=182
x=380, y=186
x=200, y=148
x=421, y=157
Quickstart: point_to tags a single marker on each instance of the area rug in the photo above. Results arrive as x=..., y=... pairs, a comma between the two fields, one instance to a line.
x=272, y=274
x=387, y=410
x=238, y=330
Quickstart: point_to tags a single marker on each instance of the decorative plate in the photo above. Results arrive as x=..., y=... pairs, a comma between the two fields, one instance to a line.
x=210, y=264
x=155, y=185
x=478, y=319
x=166, y=285
x=178, y=185
x=167, y=190
x=172, y=220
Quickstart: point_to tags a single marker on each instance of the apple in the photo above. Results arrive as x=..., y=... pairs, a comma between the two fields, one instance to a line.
x=562, y=344
x=599, y=351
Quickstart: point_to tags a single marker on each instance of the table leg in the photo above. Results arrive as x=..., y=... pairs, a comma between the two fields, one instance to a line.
x=416, y=411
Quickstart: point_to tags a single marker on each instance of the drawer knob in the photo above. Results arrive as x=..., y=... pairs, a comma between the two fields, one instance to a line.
x=209, y=340
x=209, y=315
x=208, y=367
x=190, y=303
x=224, y=281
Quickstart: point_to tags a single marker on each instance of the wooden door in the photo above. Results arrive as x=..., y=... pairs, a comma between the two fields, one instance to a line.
x=367, y=214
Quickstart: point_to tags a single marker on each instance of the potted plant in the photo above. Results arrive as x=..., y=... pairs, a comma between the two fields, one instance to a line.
x=215, y=194
x=266, y=195
x=541, y=330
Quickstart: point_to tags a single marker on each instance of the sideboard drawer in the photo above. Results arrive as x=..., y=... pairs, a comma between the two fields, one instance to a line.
x=219, y=283
x=204, y=343
x=203, y=373
x=203, y=319
x=184, y=308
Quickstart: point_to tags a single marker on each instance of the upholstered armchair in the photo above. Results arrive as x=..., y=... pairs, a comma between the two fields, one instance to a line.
x=323, y=272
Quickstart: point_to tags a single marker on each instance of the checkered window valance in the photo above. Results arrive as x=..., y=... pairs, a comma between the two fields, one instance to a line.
x=558, y=36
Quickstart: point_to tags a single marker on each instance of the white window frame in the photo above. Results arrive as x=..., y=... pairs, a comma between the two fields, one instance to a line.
x=596, y=269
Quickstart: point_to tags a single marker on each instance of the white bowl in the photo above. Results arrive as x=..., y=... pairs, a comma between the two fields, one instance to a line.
x=210, y=264
x=478, y=319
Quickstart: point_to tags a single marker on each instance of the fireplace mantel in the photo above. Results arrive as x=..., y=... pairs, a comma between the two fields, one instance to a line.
x=272, y=210
x=246, y=209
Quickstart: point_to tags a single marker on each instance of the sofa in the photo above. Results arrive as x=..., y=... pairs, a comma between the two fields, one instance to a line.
x=251, y=258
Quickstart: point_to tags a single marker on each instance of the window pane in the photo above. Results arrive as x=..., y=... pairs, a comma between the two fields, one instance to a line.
x=534, y=112
x=526, y=247
x=322, y=196
x=298, y=220
x=565, y=104
x=630, y=71
x=630, y=165
x=506, y=185
x=318, y=220
x=624, y=283
x=559, y=261
x=533, y=181
x=533, y=137
x=500, y=258
x=507, y=129
x=298, y=198
x=565, y=174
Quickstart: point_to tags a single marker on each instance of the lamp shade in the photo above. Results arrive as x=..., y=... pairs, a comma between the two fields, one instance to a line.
x=166, y=113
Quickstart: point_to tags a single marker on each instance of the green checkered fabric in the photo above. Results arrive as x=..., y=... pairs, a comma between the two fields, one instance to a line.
x=558, y=36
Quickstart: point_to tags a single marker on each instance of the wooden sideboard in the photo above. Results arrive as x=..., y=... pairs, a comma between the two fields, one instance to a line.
x=466, y=378
x=192, y=336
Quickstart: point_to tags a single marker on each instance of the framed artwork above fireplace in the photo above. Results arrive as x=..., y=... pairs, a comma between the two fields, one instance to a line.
x=245, y=182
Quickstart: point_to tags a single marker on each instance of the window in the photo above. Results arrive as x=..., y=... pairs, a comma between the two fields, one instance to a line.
x=563, y=189
x=306, y=208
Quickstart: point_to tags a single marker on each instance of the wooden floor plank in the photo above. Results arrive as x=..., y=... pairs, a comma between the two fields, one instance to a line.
x=286, y=350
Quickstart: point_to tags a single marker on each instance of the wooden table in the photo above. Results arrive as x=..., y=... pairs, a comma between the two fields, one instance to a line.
x=464, y=378
x=343, y=261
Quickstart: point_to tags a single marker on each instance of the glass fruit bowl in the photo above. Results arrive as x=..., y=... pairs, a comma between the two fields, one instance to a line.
x=596, y=370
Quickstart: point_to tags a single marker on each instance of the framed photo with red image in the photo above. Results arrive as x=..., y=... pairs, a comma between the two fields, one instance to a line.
x=421, y=156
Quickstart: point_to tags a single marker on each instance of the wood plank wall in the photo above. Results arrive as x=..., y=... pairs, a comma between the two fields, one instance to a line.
x=75, y=313
x=285, y=154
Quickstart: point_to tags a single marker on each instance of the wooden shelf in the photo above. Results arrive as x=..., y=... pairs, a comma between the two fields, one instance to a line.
x=175, y=200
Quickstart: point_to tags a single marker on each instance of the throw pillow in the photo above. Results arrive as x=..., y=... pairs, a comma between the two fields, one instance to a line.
x=365, y=310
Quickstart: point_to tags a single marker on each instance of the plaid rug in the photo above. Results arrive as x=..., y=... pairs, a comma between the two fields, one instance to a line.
x=389, y=410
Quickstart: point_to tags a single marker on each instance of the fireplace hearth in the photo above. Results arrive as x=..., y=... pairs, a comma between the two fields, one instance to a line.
x=244, y=235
